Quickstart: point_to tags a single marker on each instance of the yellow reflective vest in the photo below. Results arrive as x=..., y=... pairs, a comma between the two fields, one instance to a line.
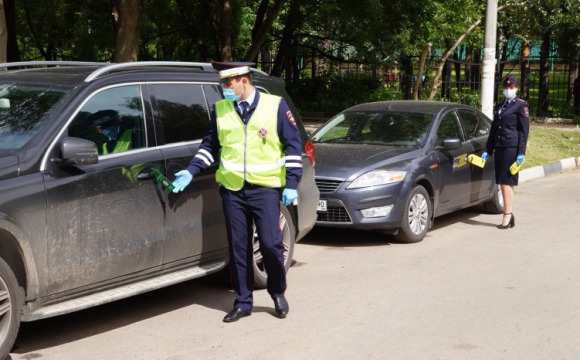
x=123, y=144
x=251, y=152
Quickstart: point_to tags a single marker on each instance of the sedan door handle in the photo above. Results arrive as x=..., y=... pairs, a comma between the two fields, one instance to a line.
x=146, y=175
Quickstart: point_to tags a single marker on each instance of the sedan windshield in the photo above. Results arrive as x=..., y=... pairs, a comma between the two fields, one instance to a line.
x=24, y=108
x=376, y=128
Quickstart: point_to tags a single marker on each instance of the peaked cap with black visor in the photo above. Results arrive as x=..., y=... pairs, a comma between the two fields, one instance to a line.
x=231, y=70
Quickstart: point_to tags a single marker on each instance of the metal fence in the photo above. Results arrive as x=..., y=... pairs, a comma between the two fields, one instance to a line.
x=461, y=80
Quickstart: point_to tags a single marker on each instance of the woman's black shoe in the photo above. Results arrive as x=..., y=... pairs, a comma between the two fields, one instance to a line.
x=510, y=223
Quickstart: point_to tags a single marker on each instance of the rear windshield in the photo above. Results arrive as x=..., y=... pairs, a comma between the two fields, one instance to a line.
x=24, y=108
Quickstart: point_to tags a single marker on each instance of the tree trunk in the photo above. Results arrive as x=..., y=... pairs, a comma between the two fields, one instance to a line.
x=446, y=86
x=525, y=71
x=12, y=52
x=468, y=66
x=436, y=82
x=457, y=66
x=191, y=23
x=226, y=30
x=476, y=70
x=284, y=53
x=544, y=90
x=573, y=74
x=419, y=83
x=127, y=18
x=260, y=32
x=407, y=69
x=3, y=34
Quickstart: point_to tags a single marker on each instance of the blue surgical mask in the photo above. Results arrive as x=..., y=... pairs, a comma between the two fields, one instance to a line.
x=111, y=132
x=230, y=94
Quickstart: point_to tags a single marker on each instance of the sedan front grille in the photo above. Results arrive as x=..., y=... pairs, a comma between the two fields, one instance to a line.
x=334, y=214
x=327, y=185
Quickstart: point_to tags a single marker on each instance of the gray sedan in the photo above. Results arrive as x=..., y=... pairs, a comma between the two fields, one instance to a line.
x=394, y=166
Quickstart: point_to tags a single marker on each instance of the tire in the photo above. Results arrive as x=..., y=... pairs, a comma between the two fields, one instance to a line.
x=416, y=217
x=495, y=205
x=288, y=236
x=11, y=300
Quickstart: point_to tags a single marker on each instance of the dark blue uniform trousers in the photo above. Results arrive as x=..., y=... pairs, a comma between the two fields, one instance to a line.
x=259, y=205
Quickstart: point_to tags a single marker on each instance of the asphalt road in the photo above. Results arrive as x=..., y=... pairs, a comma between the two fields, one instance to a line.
x=468, y=291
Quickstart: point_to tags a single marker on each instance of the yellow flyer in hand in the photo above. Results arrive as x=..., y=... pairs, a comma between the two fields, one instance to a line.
x=476, y=160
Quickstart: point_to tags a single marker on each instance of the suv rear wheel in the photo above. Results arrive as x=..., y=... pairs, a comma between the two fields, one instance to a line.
x=288, y=235
x=11, y=298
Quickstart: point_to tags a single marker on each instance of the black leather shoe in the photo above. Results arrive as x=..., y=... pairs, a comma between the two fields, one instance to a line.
x=281, y=306
x=235, y=315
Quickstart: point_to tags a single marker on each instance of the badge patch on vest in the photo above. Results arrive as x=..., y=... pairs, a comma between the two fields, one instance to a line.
x=262, y=133
x=527, y=111
x=290, y=117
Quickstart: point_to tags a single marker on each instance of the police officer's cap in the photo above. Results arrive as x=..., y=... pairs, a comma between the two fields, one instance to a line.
x=232, y=69
x=510, y=80
x=104, y=118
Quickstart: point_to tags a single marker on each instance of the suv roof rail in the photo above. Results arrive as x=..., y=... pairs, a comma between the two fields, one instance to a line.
x=48, y=63
x=116, y=66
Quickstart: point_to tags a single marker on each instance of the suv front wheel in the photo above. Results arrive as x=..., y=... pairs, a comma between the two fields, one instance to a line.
x=11, y=298
x=288, y=235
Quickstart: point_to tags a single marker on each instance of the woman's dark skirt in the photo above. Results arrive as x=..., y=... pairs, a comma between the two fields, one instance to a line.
x=504, y=158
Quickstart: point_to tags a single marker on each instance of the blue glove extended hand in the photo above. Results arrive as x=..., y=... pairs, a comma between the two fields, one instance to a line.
x=289, y=195
x=182, y=179
x=520, y=159
x=484, y=156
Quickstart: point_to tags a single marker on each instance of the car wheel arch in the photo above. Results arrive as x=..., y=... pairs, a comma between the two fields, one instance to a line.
x=11, y=252
x=424, y=182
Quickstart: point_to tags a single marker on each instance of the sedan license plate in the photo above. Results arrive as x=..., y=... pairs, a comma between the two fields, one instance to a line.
x=321, y=205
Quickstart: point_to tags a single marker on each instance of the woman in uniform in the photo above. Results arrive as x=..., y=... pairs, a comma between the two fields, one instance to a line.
x=508, y=138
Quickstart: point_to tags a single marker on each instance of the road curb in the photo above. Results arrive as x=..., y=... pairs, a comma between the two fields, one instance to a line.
x=551, y=168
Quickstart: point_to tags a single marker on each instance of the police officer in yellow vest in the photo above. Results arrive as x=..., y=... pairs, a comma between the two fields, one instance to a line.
x=260, y=164
x=108, y=124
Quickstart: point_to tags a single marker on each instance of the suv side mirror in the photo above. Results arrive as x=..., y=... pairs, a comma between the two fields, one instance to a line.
x=452, y=144
x=77, y=151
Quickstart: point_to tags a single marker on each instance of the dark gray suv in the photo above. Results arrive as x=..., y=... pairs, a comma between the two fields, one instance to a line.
x=83, y=223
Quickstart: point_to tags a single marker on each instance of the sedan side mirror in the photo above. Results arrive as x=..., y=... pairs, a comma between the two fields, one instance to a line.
x=452, y=144
x=77, y=151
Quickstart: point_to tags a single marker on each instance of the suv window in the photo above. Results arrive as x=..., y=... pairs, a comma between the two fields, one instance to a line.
x=182, y=111
x=475, y=125
x=113, y=119
x=24, y=108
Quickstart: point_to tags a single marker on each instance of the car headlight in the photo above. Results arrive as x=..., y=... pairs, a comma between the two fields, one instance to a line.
x=378, y=177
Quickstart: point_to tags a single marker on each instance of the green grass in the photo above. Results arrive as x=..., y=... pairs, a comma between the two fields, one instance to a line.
x=546, y=145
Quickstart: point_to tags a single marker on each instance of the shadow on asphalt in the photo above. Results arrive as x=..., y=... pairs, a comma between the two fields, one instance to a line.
x=345, y=237
x=210, y=291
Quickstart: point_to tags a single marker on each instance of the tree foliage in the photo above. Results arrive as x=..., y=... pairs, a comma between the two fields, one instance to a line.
x=293, y=38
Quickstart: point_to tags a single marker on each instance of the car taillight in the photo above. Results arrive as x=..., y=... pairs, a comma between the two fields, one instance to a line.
x=310, y=152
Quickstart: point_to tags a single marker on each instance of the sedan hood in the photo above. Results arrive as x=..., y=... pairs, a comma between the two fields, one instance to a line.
x=8, y=166
x=342, y=161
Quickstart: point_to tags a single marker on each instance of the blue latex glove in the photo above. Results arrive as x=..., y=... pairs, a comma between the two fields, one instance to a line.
x=182, y=179
x=484, y=156
x=520, y=159
x=289, y=195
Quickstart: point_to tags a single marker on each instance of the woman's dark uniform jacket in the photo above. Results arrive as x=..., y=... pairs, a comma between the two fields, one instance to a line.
x=508, y=137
